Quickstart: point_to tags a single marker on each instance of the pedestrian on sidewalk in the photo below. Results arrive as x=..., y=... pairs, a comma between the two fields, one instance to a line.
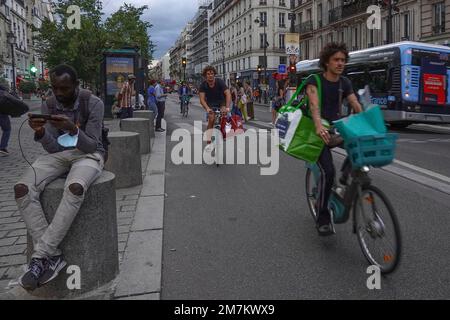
x=151, y=100
x=242, y=101
x=278, y=102
x=5, y=125
x=73, y=140
x=161, y=104
x=125, y=95
x=250, y=99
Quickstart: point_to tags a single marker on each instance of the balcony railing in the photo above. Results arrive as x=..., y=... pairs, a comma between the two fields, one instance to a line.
x=438, y=29
x=354, y=8
x=305, y=27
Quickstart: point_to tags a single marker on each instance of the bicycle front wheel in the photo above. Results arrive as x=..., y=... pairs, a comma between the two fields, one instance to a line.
x=377, y=229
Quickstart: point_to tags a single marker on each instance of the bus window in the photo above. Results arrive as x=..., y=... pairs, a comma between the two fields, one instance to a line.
x=378, y=80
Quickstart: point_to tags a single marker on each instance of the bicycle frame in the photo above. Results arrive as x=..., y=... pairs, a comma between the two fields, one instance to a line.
x=342, y=207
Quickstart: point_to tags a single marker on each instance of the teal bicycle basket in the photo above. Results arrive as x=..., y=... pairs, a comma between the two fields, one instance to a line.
x=373, y=150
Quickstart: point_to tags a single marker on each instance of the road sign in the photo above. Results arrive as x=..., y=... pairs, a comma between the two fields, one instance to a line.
x=282, y=68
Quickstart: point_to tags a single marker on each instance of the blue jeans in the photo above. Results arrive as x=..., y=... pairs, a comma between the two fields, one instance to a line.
x=153, y=107
x=5, y=124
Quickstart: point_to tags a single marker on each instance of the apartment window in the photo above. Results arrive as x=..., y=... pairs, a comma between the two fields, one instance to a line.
x=282, y=19
x=249, y=66
x=307, y=49
x=262, y=61
x=250, y=22
x=406, y=26
x=245, y=24
x=439, y=17
x=283, y=60
x=262, y=2
x=282, y=3
x=355, y=42
x=282, y=41
x=262, y=40
x=250, y=42
x=263, y=18
x=319, y=15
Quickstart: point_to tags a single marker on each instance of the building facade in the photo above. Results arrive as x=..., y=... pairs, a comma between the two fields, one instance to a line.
x=324, y=21
x=238, y=38
x=181, y=49
x=435, y=21
x=200, y=41
x=18, y=16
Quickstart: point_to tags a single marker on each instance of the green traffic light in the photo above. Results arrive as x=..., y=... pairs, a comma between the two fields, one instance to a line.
x=33, y=69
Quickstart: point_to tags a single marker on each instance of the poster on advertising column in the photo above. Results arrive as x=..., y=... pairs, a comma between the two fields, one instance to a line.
x=117, y=71
x=292, y=42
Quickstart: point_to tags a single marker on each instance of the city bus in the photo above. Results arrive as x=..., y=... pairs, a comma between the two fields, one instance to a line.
x=409, y=80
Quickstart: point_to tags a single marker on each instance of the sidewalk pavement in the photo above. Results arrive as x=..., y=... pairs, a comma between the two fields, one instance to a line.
x=139, y=222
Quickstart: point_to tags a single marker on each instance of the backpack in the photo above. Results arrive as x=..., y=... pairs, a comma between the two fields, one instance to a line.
x=83, y=96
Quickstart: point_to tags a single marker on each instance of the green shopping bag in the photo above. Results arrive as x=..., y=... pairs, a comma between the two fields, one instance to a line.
x=297, y=131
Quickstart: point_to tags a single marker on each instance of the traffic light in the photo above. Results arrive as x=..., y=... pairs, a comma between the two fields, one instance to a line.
x=292, y=69
x=33, y=70
x=259, y=68
x=184, y=62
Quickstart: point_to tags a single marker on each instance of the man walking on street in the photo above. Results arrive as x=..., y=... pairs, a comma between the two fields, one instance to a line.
x=161, y=104
x=73, y=140
x=250, y=107
x=125, y=95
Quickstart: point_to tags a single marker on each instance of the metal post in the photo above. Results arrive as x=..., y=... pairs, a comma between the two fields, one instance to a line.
x=13, y=68
x=265, y=63
x=389, y=23
x=223, y=59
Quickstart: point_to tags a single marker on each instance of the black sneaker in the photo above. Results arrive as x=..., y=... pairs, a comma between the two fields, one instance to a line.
x=30, y=279
x=53, y=265
x=4, y=151
x=160, y=130
x=324, y=225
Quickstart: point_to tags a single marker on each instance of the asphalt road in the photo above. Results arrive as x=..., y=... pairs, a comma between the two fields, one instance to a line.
x=230, y=233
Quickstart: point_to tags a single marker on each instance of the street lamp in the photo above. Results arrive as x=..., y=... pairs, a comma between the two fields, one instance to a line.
x=265, y=45
x=222, y=44
x=11, y=38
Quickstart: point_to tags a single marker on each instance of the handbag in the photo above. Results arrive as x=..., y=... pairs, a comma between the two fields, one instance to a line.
x=297, y=130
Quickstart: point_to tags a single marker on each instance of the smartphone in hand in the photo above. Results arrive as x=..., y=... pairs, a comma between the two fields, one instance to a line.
x=42, y=116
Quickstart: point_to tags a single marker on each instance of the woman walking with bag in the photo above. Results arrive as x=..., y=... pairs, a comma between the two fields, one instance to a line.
x=242, y=101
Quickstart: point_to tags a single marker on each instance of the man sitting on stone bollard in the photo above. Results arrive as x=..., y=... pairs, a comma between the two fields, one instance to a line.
x=71, y=131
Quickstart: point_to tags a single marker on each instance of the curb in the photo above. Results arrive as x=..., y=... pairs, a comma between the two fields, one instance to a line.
x=141, y=268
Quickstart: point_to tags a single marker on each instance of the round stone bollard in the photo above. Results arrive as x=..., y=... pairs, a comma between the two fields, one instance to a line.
x=141, y=126
x=90, y=247
x=124, y=158
x=147, y=114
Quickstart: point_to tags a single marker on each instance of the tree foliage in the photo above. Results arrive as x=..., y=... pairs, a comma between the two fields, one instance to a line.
x=83, y=48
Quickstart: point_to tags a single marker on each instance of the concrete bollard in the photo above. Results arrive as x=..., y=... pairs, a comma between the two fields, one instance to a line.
x=124, y=158
x=147, y=114
x=91, y=244
x=141, y=126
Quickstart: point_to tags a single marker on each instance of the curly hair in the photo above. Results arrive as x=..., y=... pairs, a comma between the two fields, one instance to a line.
x=209, y=68
x=329, y=50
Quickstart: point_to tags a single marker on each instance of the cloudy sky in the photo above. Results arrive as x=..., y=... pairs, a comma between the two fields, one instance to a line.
x=167, y=16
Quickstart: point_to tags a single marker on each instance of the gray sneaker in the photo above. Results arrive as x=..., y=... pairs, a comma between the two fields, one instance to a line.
x=53, y=265
x=30, y=279
x=4, y=152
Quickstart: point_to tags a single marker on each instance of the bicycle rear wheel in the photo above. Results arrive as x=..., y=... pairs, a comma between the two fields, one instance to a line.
x=312, y=192
x=377, y=229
